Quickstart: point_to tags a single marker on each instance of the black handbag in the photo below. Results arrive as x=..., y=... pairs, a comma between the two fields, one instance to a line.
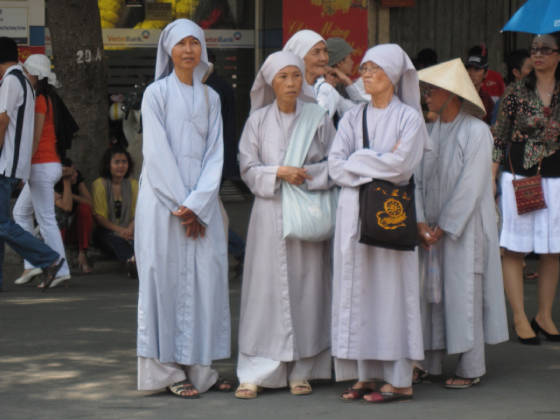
x=387, y=211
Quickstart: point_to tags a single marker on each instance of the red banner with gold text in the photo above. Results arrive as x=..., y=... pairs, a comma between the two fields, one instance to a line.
x=345, y=19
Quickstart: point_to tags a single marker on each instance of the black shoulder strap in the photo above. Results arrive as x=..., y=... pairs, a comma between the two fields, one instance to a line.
x=365, y=133
x=19, y=119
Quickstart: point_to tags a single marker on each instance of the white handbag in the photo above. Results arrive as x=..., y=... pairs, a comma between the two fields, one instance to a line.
x=307, y=215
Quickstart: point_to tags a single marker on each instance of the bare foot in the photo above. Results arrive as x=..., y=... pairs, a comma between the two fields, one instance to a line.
x=391, y=388
x=358, y=390
x=183, y=389
x=83, y=262
x=388, y=393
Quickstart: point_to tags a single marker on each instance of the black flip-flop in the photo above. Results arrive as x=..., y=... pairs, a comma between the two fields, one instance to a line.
x=219, y=383
x=179, y=387
x=422, y=377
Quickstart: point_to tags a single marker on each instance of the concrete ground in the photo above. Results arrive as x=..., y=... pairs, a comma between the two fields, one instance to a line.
x=70, y=353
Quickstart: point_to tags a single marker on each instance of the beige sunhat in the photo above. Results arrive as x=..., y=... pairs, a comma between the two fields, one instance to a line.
x=453, y=77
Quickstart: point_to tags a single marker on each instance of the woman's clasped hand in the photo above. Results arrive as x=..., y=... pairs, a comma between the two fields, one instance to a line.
x=193, y=228
x=429, y=235
x=293, y=175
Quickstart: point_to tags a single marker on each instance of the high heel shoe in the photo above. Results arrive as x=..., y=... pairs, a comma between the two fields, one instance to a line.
x=538, y=329
x=533, y=341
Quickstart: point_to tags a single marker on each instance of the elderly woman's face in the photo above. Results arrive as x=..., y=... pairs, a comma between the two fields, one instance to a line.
x=186, y=54
x=374, y=78
x=287, y=84
x=316, y=60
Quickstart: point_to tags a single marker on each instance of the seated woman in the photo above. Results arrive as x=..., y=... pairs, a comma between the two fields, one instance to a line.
x=114, y=202
x=73, y=212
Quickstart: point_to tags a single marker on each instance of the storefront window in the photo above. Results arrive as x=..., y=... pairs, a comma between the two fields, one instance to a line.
x=155, y=14
x=131, y=30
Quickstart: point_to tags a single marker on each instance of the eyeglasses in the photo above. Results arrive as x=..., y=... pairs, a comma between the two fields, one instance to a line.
x=365, y=69
x=543, y=50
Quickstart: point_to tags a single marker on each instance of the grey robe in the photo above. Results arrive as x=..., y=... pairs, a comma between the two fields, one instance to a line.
x=286, y=292
x=454, y=191
x=376, y=298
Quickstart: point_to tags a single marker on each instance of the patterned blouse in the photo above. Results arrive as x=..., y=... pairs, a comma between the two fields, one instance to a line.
x=522, y=117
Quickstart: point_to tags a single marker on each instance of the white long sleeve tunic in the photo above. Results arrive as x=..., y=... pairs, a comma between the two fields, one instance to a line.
x=376, y=298
x=183, y=303
x=286, y=291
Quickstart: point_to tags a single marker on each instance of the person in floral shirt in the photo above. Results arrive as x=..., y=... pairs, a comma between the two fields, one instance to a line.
x=526, y=134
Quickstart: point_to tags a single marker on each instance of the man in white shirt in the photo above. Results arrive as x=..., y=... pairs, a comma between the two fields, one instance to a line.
x=17, y=103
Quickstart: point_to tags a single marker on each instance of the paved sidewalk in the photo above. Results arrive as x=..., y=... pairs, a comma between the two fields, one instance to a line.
x=70, y=353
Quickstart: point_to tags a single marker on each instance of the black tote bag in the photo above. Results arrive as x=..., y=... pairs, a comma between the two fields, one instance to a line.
x=387, y=211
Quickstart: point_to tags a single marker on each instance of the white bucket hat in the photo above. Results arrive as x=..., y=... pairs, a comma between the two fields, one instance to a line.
x=39, y=65
x=453, y=77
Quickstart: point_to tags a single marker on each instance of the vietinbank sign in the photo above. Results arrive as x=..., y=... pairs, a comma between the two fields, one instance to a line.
x=219, y=38
x=148, y=38
x=128, y=38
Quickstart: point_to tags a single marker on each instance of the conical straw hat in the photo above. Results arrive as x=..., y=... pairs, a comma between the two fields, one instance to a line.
x=453, y=77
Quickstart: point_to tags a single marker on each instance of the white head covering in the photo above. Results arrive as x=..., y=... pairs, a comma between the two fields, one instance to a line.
x=170, y=36
x=39, y=65
x=262, y=93
x=302, y=41
x=399, y=69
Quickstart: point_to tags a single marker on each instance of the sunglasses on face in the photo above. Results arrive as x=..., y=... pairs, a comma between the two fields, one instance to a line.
x=543, y=50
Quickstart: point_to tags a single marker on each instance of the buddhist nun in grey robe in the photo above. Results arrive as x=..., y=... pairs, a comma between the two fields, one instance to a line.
x=286, y=292
x=183, y=303
x=304, y=44
x=376, y=328
x=463, y=303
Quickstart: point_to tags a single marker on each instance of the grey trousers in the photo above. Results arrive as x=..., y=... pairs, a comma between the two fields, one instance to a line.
x=472, y=363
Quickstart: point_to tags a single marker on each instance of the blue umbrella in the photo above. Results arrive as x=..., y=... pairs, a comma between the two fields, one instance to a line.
x=536, y=17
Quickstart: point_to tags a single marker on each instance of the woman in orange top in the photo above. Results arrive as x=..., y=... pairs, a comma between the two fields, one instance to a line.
x=37, y=195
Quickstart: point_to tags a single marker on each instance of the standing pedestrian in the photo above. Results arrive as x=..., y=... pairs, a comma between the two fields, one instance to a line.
x=463, y=296
x=285, y=299
x=180, y=245
x=525, y=144
x=376, y=327
x=37, y=197
x=312, y=49
x=17, y=103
